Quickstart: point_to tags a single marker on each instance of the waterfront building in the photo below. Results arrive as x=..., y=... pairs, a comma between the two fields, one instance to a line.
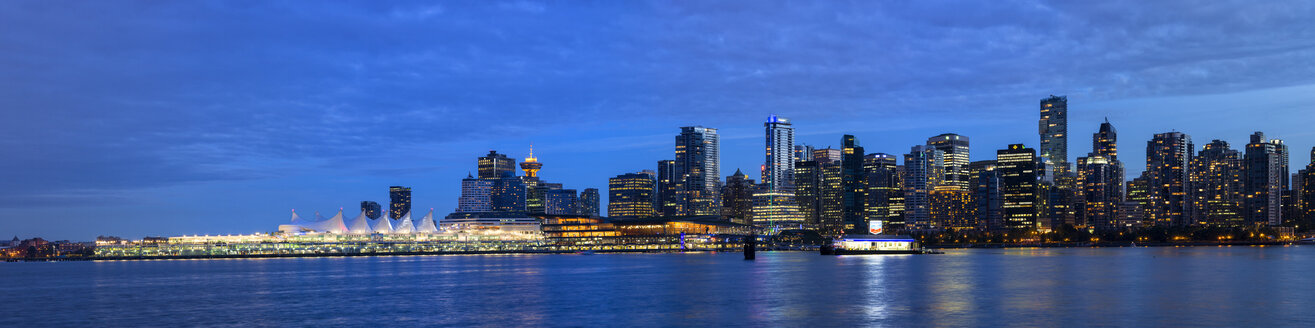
x=1217, y=186
x=668, y=198
x=831, y=204
x=1266, y=176
x=922, y=173
x=896, y=221
x=698, y=171
x=505, y=222
x=399, y=201
x=952, y=208
x=955, y=165
x=808, y=191
x=737, y=198
x=630, y=195
x=853, y=181
x=1131, y=215
x=475, y=195
x=1100, y=191
x=371, y=209
x=576, y=233
x=778, y=169
x=589, y=202
x=1017, y=166
x=775, y=211
x=1168, y=156
x=495, y=165
x=881, y=172
x=508, y=194
x=1053, y=128
x=987, y=196
x=561, y=202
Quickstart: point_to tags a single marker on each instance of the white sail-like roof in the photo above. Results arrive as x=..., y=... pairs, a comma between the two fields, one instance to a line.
x=359, y=225
x=382, y=225
x=405, y=225
x=334, y=225
x=426, y=224
x=296, y=219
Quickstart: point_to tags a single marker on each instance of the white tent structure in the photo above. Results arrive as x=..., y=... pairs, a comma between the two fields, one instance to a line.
x=359, y=225
x=382, y=225
x=334, y=225
x=404, y=225
x=426, y=224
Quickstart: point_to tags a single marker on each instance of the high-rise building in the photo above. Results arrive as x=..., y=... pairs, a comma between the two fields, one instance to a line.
x=1168, y=156
x=922, y=173
x=495, y=165
x=698, y=170
x=1105, y=142
x=831, y=203
x=882, y=176
x=854, y=182
x=589, y=202
x=1100, y=191
x=808, y=191
x=630, y=195
x=1307, y=192
x=1053, y=128
x=536, y=195
x=1265, y=180
x=371, y=209
x=399, y=201
x=952, y=208
x=667, y=195
x=778, y=170
x=475, y=195
x=1017, y=166
x=1216, y=186
x=955, y=167
x=737, y=198
x=827, y=155
x=987, y=196
x=896, y=221
x=1138, y=192
x=508, y=195
x=776, y=210
x=561, y=202
x=803, y=153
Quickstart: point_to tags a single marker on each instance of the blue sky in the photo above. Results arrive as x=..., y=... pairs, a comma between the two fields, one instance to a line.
x=191, y=117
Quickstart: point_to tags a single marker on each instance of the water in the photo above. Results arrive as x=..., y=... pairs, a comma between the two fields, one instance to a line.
x=1231, y=286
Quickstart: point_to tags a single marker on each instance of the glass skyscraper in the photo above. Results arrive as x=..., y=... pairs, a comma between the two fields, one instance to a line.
x=630, y=195
x=955, y=164
x=1266, y=177
x=495, y=165
x=1053, y=128
x=698, y=171
x=778, y=169
x=1168, y=156
x=399, y=201
x=1017, y=166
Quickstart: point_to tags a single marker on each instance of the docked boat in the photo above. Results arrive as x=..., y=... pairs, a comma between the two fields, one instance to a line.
x=1307, y=241
x=874, y=244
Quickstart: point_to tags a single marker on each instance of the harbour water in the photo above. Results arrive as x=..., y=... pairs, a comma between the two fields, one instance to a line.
x=1165, y=286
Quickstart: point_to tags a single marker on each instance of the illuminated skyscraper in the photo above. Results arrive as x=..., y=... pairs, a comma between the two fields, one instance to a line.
x=1306, y=190
x=808, y=191
x=1100, y=182
x=495, y=165
x=561, y=202
x=831, y=202
x=371, y=209
x=778, y=170
x=399, y=201
x=1105, y=142
x=987, y=196
x=803, y=153
x=827, y=155
x=630, y=195
x=922, y=173
x=1017, y=166
x=1266, y=174
x=589, y=202
x=882, y=183
x=776, y=210
x=1216, y=186
x=737, y=198
x=952, y=208
x=955, y=167
x=667, y=192
x=1167, y=158
x=853, y=182
x=475, y=195
x=698, y=171
x=1053, y=128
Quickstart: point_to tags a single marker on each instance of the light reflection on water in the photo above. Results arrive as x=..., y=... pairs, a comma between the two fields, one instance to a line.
x=1228, y=286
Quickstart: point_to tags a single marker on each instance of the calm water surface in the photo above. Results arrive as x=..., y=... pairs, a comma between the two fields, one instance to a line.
x=1231, y=286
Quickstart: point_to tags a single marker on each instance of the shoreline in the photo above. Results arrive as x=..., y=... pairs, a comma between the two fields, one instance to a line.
x=1121, y=244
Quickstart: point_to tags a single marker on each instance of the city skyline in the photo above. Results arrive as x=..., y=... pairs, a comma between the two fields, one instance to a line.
x=238, y=176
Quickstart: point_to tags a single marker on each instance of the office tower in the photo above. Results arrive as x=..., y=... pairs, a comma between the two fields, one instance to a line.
x=475, y=195
x=1131, y=215
x=1168, y=156
x=1018, y=182
x=952, y=208
x=803, y=153
x=827, y=155
x=854, y=183
x=737, y=198
x=922, y=173
x=495, y=165
x=399, y=201
x=1307, y=191
x=778, y=170
x=1053, y=128
x=776, y=210
x=955, y=148
x=589, y=199
x=1138, y=191
x=666, y=194
x=880, y=170
x=1216, y=186
x=808, y=191
x=896, y=222
x=1100, y=191
x=536, y=196
x=831, y=205
x=561, y=202
x=1104, y=142
x=630, y=195
x=371, y=209
x=698, y=171
x=509, y=194
x=1266, y=174
x=987, y=196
